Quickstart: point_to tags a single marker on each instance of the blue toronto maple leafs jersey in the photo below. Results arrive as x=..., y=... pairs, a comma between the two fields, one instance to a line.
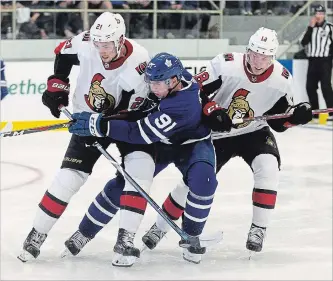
x=177, y=120
x=3, y=83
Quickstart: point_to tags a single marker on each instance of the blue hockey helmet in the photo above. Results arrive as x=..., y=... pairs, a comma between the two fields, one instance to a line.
x=163, y=67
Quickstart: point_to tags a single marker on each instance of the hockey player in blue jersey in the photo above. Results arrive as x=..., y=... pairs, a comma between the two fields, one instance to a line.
x=3, y=83
x=180, y=137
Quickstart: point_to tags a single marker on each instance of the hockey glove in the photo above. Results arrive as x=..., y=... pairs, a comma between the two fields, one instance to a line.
x=56, y=94
x=216, y=118
x=302, y=114
x=89, y=124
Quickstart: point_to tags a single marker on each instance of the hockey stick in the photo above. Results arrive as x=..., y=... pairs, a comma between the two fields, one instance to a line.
x=276, y=116
x=193, y=241
x=34, y=130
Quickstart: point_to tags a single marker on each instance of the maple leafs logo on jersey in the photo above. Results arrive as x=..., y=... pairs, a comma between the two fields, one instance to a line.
x=98, y=99
x=240, y=107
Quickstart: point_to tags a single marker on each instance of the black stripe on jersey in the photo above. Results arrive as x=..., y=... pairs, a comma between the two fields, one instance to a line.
x=323, y=51
x=211, y=87
x=320, y=46
x=315, y=42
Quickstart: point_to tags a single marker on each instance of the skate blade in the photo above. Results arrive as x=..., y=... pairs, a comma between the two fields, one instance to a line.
x=211, y=240
x=25, y=256
x=143, y=248
x=65, y=253
x=193, y=258
x=251, y=254
x=207, y=241
x=123, y=261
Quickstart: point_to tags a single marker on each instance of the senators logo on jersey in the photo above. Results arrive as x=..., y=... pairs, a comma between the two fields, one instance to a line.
x=141, y=68
x=86, y=36
x=240, y=107
x=98, y=99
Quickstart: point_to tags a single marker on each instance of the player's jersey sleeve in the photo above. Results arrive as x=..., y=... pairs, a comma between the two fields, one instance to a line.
x=284, y=104
x=73, y=45
x=210, y=80
x=68, y=53
x=158, y=126
x=133, y=78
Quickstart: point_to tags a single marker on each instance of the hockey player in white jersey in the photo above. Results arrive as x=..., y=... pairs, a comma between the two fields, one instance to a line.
x=110, y=80
x=245, y=85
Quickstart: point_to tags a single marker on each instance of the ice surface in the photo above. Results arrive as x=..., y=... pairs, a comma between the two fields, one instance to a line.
x=298, y=243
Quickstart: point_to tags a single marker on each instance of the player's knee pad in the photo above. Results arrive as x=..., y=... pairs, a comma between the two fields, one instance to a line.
x=201, y=179
x=266, y=179
x=265, y=171
x=66, y=183
x=113, y=190
x=140, y=166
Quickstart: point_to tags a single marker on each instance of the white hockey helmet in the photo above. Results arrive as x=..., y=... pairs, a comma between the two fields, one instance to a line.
x=109, y=27
x=264, y=41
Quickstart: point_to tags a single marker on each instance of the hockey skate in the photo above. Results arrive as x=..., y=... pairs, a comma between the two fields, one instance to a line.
x=192, y=253
x=153, y=237
x=75, y=244
x=31, y=245
x=125, y=252
x=255, y=238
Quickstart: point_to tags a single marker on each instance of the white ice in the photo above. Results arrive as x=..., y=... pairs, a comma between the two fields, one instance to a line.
x=298, y=243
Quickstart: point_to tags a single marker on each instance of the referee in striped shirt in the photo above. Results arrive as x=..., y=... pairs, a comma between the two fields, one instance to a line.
x=318, y=41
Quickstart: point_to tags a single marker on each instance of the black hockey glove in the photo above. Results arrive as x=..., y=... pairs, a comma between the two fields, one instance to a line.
x=56, y=94
x=216, y=118
x=302, y=114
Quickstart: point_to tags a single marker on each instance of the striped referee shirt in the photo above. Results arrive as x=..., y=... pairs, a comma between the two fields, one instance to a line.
x=318, y=40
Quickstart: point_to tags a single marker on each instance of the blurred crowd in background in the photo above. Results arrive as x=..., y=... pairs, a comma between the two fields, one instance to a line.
x=43, y=25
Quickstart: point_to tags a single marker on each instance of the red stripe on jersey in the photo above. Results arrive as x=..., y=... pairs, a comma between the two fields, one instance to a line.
x=133, y=201
x=264, y=198
x=59, y=47
x=53, y=206
x=172, y=209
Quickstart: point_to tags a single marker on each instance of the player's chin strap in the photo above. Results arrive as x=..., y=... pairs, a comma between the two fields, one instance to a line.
x=276, y=116
x=193, y=241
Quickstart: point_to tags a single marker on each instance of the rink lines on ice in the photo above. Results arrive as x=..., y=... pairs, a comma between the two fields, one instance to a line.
x=35, y=175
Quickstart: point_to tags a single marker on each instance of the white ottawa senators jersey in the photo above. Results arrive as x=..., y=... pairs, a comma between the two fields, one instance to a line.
x=100, y=85
x=243, y=94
